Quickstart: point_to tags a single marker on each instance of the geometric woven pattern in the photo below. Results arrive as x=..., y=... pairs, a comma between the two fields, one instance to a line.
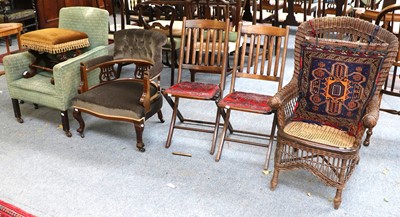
x=246, y=101
x=194, y=90
x=8, y=210
x=336, y=84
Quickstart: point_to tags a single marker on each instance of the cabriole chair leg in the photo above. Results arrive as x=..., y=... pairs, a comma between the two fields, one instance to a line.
x=65, y=123
x=78, y=116
x=160, y=116
x=17, y=111
x=139, y=128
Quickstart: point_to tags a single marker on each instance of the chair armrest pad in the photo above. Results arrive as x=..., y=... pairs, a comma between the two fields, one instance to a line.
x=371, y=116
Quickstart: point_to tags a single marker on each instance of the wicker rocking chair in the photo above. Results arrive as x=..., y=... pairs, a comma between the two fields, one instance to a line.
x=332, y=98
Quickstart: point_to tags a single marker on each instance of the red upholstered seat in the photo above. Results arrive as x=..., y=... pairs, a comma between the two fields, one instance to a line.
x=251, y=102
x=195, y=90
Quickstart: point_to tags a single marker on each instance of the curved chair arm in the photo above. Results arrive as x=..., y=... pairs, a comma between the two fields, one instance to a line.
x=108, y=74
x=284, y=95
x=372, y=113
x=284, y=102
x=67, y=74
x=15, y=71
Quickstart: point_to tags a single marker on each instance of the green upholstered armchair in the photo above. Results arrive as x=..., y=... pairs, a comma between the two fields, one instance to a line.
x=66, y=74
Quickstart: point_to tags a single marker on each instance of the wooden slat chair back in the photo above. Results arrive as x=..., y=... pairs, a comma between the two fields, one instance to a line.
x=260, y=55
x=203, y=49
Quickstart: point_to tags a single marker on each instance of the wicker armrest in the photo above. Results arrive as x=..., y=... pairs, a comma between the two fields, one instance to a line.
x=372, y=113
x=286, y=94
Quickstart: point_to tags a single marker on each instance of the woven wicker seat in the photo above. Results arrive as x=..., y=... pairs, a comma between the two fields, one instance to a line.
x=321, y=134
x=321, y=123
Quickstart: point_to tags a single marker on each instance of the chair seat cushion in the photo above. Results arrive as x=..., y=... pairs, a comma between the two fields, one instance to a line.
x=119, y=99
x=15, y=15
x=243, y=101
x=54, y=40
x=320, y=134
x=194, y=90
x=39, y=83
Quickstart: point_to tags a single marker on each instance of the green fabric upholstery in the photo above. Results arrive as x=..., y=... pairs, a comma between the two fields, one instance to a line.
x=93, y=22
x=89, y=20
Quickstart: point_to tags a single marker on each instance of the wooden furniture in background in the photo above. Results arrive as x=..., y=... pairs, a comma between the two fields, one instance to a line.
x=13, y=11
x=389, y=18
x=7, y=29
x=47, y=10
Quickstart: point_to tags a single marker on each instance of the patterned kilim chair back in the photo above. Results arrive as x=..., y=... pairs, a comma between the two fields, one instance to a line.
x=341, y=64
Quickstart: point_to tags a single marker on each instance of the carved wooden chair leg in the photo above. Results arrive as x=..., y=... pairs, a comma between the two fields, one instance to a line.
x=172, y=125
x=78, y=116
x=65, y=123
x=160, y=116
x=369, y=134
x=139, y=127
x=17, y=111
x=223, y=136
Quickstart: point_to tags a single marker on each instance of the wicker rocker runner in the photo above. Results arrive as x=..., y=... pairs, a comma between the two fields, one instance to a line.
x=332, y=98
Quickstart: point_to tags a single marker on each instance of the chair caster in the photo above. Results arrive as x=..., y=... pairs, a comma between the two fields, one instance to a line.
x=82, y=135
x=20, y=120
x=68, y=133
x=142, y=149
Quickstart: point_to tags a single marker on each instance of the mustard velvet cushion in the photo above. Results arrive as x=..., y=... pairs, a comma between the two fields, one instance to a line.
x=54, y=40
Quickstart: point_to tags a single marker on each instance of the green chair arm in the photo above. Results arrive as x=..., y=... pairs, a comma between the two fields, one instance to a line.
x=67, y=74
x=16, y=64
